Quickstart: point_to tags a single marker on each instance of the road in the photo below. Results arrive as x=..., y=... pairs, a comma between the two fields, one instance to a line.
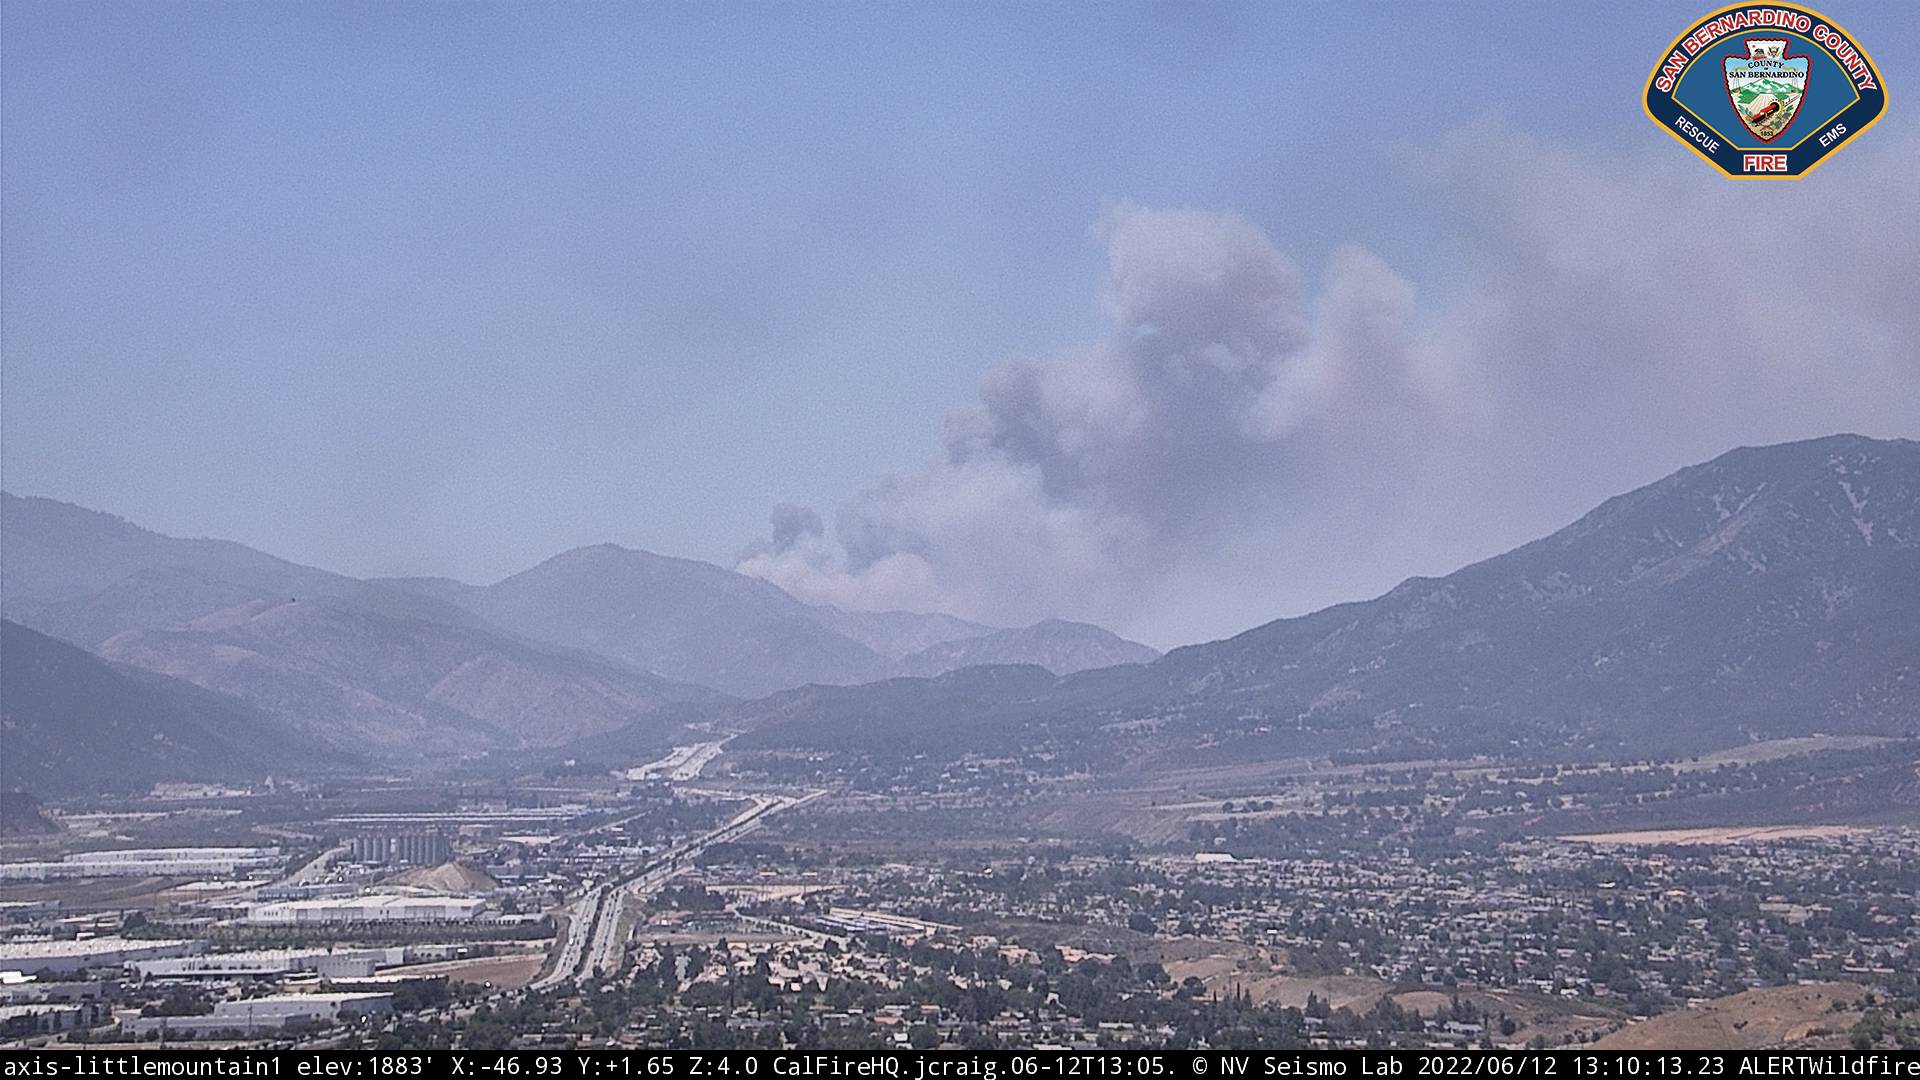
x=594, y=941
x=697, y=761
x=684, y=763
x=312, y=871
x=581, y=916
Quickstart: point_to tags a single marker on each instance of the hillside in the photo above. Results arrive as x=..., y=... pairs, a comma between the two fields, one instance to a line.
x=593, y=640
x=1769, y=593
x=356, y=677
x=73, y=723
x=1060, y=646
x=699, y=623
x=353, y=664
x=684, y=619
x=1770, y=1017
x=895, y=634
x=59, y=552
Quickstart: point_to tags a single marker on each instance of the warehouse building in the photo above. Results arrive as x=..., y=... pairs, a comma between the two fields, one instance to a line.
x=19, y=1021
x=263, y=963
x=176, y=854
x=403, y=849
x=265, y=1014
x=62, y=957
x=379, y=908
x=220, y=862
x=18, y=989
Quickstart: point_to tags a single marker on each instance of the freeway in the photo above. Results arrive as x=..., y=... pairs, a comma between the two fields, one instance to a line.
x=581, y=915
x=684, y=763
x=595, y=941
x=312, y=871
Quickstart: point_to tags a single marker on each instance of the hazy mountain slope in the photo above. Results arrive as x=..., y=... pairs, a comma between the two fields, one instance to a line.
x=686, y=620
x=1772, y=591
x=947, y=715
x=895, y=634
x=71, y=722
x=91, y=577
x=85, y=576
x=56, y=551
x=1059, y=646
x=357, y=677
x=359, y=664
x=698, y=622
x=168, y=597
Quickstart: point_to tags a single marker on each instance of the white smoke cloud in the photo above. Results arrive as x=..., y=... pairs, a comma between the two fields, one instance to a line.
x=1236, y=448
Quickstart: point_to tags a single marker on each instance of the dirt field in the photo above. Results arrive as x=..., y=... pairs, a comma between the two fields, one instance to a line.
x=1356, y=992
x=1158, y=808
x=1773, y=749
x=98, y=894
x=1749, y=1021
x=505, y=972
x=1201, y=956
x=451, y=877
x=1735, y=834
x=1559, y=1022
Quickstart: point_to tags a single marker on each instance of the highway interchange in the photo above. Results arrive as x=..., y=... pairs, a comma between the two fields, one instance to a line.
x=595, y=937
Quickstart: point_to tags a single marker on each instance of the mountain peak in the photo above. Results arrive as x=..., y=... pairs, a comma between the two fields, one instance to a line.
x=1768, y=593
x=1058, y=645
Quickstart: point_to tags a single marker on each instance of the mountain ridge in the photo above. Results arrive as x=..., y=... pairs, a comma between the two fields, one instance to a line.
x=748, y=637
x=1770, y=591
x=72, y=722
x=324, y=665
x=586, y=641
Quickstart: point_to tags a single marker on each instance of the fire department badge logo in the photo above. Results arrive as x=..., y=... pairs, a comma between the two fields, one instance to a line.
x=1766, y=87
x=1765, y=90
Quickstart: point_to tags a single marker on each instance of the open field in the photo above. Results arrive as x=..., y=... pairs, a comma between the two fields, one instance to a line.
x=1354, y=992
x=1199, y=956
x=506, y=972
x=1737, y=834
x=105, y=893
x=1774, y=749
x=1557, y=1021
x=1749, y=1021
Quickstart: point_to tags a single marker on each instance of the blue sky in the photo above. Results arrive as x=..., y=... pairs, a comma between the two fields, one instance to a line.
x=447, y=288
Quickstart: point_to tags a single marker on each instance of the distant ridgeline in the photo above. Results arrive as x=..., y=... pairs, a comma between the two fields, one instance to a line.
x=1772, y=592
x=135, y=657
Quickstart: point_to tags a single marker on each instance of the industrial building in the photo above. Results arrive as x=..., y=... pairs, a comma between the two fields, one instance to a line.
x=378, y=908
x=19, y=989
x=221, y=862
x=428, y=848
x=175, y=854
x=263, y=963
x=265, y=1014
x=17, y=1021
x=465, y=820
x=62, y=957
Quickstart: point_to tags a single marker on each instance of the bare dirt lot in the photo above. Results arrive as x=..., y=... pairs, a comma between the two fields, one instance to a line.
x=1557, y=1021
x=1732, y=834
x=504, y=972
x=96, y=894
x=1750, y=1021
x=1774, y=749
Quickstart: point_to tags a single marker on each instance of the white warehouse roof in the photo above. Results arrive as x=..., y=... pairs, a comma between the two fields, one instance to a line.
x=374, y=908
